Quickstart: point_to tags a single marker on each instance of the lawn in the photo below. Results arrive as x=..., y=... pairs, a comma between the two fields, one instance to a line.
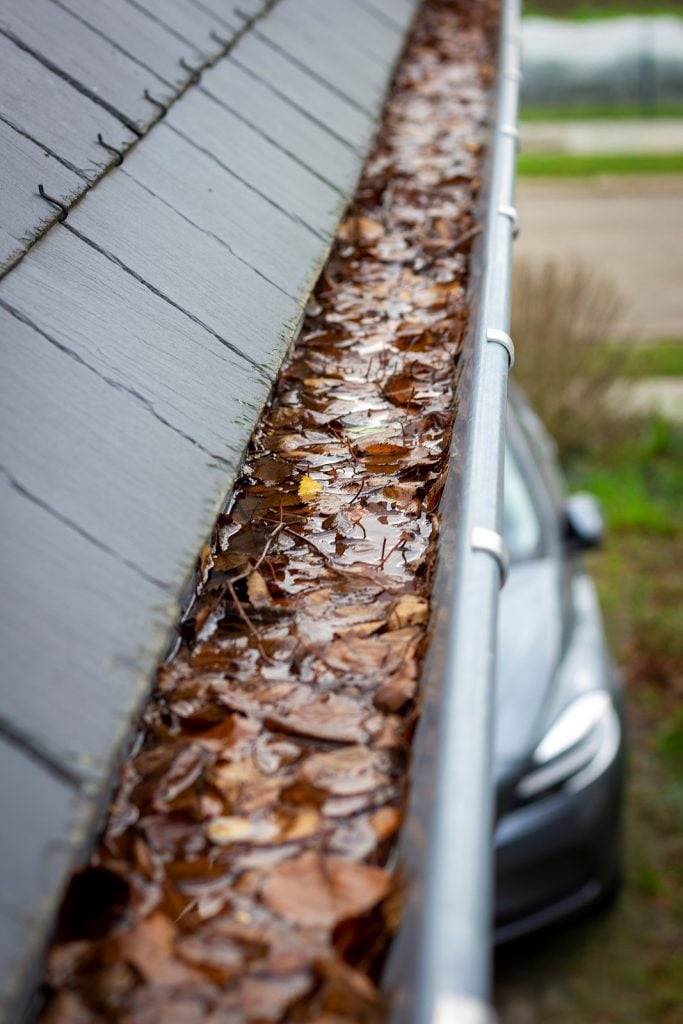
x=626, y=964
x=588, y=10
x=601, y=112
x=653, y=359
x=588, y=165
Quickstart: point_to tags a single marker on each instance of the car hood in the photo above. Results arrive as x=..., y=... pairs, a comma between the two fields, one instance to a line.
x=530, y=643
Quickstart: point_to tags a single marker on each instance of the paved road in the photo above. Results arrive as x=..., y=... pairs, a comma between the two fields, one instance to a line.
x=628, y=227
x=663, y=395
x=635, y=135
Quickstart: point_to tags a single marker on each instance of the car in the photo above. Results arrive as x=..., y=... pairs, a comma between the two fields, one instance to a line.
x=560, y=745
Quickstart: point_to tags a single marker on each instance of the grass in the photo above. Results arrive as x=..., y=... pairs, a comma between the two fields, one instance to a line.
x=639, y=480
x=601, y=112
x=625, y=966
x=589, y=165
x=655, y=359
x=589, y=10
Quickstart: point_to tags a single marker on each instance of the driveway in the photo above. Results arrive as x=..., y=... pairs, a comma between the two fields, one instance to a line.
x=628, y=227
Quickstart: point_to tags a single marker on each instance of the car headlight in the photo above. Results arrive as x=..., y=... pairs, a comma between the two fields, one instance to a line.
x=577, y=748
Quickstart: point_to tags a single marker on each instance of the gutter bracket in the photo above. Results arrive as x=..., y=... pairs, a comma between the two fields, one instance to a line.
x=504, y=339
x=512, y=132
x=457, y=1009
x=491, y=542
x=512, y=215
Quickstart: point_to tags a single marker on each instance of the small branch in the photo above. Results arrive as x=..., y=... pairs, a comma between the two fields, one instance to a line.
x=247, y=621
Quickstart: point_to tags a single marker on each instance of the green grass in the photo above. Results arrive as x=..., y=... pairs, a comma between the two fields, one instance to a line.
x=589, y=10
x=569, y=165
x=601, y=112
x=638, y=480
x=654, y=359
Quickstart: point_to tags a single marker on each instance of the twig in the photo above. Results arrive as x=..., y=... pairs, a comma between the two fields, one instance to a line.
x=357, y=494
x=247, y=621
x=401, y=542
x=451, y=247
x=259, y=561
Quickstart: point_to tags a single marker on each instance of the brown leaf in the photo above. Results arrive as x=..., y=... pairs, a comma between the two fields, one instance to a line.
x=360, y=229
x=184, y=770
x=232, y=829
x=267, y=998
x=347, y=771
x=149, y=948
x=327, y=717
x=64, y=961
x=398, y=688
x=314, y=891
x=351, y=993
x=382, y=448
x=386, y=822
x=257, y=590
x=68, y=1008
x=265, y=831
x=400, y=389
x=409, y=610
x=220, y=957
x=205, y=561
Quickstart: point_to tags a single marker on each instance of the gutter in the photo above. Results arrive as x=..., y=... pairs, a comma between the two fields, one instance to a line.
x=444, y=942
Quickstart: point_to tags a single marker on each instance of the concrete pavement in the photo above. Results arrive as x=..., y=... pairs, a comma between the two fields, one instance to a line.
x=627, y=227
x=636, y=135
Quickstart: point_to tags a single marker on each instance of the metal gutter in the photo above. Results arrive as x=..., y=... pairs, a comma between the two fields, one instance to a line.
x=439, y=970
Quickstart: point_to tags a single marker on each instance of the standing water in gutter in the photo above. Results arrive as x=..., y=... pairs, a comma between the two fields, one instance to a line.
x=245, y=872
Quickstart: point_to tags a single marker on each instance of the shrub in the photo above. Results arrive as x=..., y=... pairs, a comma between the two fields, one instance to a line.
x=562, y=319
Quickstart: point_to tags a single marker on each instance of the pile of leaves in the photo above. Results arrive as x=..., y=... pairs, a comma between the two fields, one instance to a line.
x=243, y=873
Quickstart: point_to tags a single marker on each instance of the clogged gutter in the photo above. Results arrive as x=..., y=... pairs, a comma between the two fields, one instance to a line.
x=246, y=873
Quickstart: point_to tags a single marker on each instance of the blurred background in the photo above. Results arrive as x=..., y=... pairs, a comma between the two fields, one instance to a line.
x=598, y=324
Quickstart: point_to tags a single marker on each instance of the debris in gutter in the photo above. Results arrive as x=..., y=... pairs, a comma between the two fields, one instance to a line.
x=245, y=873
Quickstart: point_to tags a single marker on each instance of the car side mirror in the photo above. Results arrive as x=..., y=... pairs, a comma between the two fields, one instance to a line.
x=584, y=525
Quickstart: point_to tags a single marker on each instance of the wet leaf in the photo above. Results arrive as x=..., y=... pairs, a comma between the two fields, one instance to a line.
x=400, y=389
x=257, y=589
x=268, y=997
x=68, y=1008
x=347, y=771
x=329, y=717
x=149, y=949
x=309, y=489
x=360, y=229
x=228, y=830
x=409, y=610
x=314, y=891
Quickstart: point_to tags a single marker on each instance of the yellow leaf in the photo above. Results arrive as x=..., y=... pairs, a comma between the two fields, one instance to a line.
x=309, y=488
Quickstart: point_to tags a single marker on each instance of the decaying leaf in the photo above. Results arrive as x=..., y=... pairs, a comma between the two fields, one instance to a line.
x=268, y=996
x=360, y=229
x=228, y=830
x=314, y=891
x=148, y=947
x=409, y=610
x=347, y=771
x=257, y=589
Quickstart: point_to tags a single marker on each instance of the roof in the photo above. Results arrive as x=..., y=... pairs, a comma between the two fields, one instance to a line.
x=141, y=336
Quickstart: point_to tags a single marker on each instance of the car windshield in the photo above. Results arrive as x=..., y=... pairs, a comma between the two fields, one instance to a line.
x=521, y=526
